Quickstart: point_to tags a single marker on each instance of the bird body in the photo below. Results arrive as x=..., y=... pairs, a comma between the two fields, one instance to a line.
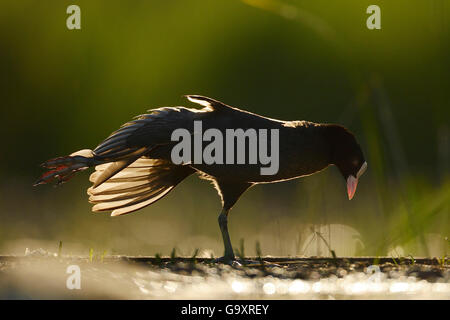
x=135, y=167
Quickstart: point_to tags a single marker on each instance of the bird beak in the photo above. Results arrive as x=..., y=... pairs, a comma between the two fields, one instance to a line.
x=352, y=182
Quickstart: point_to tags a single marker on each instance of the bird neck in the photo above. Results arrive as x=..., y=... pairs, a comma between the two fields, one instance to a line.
x=333, y=137
x=312, y=148
x=324, y=142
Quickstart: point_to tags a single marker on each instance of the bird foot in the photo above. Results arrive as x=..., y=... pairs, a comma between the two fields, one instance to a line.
x=226, y=260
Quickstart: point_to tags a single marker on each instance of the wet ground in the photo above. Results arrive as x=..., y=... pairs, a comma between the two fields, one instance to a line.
x=45, y=276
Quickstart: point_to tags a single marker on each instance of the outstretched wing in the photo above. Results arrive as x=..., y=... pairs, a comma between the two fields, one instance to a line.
x=209, y=103
x=136, y=138
x=147, y=130
x=138, y=185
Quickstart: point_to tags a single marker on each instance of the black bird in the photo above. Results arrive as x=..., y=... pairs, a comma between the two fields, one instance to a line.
x=134, y=167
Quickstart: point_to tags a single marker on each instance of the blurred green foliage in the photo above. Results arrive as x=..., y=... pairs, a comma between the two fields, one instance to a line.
x=64, y=90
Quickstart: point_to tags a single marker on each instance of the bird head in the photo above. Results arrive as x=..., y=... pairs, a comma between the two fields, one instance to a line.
x=347, y=156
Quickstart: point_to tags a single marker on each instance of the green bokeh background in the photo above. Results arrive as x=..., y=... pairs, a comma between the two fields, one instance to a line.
x=64, y=90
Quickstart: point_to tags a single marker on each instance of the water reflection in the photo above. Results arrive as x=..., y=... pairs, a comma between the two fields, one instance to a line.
x=134, y=281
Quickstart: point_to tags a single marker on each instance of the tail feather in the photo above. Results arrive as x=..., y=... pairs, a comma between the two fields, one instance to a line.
x=63, y=168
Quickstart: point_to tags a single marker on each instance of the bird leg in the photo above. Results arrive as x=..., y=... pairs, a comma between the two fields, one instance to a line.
x=223, y=224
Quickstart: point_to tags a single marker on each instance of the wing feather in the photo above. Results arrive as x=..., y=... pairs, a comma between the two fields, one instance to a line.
x=136, y=186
